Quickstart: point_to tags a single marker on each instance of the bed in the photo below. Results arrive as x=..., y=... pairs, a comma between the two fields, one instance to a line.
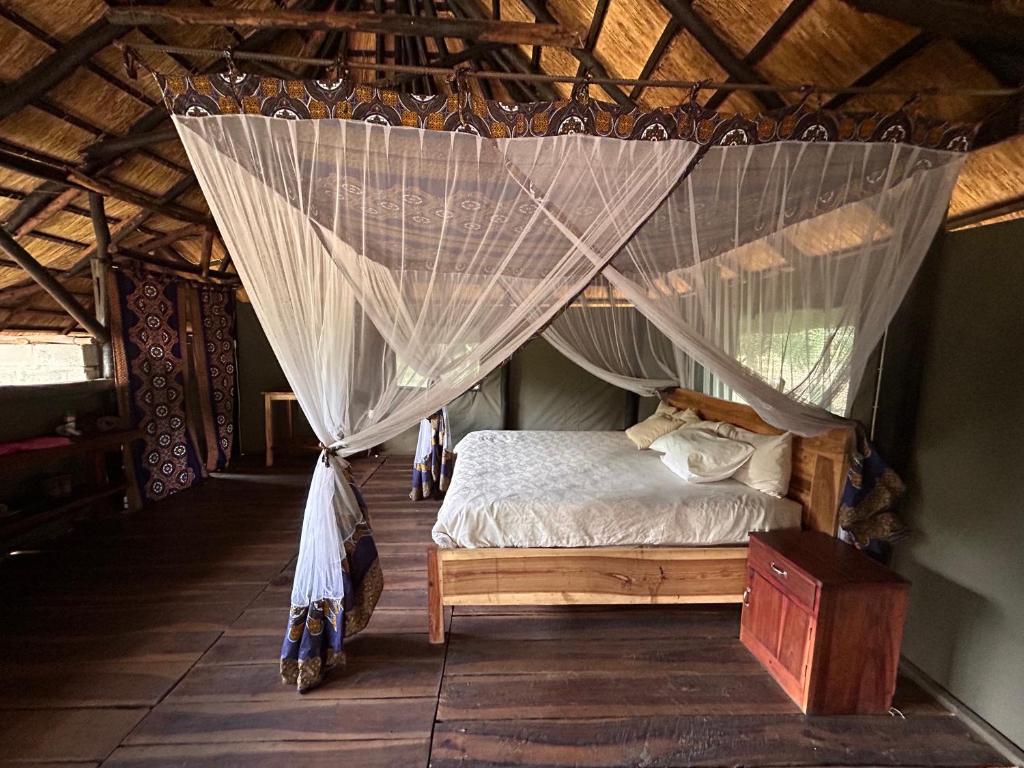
x=547, y=518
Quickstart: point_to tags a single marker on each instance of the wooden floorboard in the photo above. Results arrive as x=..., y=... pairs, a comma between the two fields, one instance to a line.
x=152, y=642
x=703, y=740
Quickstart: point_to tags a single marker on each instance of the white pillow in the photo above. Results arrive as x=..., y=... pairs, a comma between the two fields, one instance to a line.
x=771, y=464
x=699, y=456
x=651, y=428
x=687, y=415
x=660, y=445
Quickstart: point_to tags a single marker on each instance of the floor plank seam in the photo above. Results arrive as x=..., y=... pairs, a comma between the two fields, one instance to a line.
x=440, y=686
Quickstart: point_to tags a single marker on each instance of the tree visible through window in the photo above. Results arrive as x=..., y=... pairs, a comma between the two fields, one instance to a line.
x=810, y=358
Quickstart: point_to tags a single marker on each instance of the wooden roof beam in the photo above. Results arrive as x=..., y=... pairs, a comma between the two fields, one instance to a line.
x=120, y=145
x=782, y=24
x=705, y=34
x=897, y=57
x=181, y=233
x=42, y=196
x=483, y=30
x=668, y=34
x=45, y=37
x=985, y=213
x=58, y=66
x=587, y=59
x=958, y=19
x=510, y=61
x=50, y=284
x=596, y=22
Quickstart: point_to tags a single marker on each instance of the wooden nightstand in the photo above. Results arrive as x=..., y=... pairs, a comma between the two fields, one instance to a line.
x=825, y=620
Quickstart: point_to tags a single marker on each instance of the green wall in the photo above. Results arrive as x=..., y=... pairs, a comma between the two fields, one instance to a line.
x=37, y=410
x=952, y=422
x=34, y=410
x=545, y=391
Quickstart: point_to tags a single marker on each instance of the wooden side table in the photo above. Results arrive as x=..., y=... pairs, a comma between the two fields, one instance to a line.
x=269, y=398
x=825, y=620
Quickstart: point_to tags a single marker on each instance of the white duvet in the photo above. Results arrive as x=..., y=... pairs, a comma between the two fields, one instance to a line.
x=590, y=489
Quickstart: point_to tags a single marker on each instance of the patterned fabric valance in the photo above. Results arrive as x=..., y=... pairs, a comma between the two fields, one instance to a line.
x=225, y=94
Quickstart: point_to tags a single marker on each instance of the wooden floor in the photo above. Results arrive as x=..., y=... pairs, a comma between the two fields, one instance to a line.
x=152, y=641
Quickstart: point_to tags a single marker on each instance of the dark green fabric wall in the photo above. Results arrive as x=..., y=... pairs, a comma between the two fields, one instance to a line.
x=951, y=420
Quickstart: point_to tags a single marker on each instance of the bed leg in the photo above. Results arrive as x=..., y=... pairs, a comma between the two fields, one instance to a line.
x=435, y=602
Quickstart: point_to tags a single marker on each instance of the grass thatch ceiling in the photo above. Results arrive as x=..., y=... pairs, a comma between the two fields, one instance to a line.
x=154, y=209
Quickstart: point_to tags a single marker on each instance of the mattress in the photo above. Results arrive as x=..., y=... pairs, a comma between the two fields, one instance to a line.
x=591, y=489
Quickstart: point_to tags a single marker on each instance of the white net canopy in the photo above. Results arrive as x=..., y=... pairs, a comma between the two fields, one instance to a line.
x=771, y=272
x=393, y=267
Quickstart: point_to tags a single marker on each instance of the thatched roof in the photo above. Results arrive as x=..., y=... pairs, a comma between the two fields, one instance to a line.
x=68, y=137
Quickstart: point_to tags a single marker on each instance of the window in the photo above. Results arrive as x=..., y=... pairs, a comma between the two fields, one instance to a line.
x=32, y=361
x=809, y=355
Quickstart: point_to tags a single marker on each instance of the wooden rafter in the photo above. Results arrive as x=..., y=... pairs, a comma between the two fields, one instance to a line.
x=56, y=67
x=668, y=34
x=985, y=213
x=586, y=59
x=482, y=30
x=42, y=196
x=706, y=35
x=596, y=22
x=511, y=60
x=120, y=145
x=958, y=19
x=46, y=38
x=52, y=286
x=902, y=54
x=175, y=235
x=782, y=24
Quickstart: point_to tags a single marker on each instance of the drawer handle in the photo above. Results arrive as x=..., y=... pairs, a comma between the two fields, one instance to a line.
x=779, y=571
x=746, y=596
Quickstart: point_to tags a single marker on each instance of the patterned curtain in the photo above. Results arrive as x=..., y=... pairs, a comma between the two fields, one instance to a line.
x=434, y=462
x=152, y=373
x=213, y=350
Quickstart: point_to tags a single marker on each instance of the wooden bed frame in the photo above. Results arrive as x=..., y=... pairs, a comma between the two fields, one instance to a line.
x=637, y=575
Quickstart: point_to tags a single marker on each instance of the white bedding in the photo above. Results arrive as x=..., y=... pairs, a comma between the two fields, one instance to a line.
x=590, y=489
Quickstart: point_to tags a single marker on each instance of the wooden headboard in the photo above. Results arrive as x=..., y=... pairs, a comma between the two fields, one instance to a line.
x=819, y=462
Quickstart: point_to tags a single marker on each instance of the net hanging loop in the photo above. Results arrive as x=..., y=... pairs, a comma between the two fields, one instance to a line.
x=695, y=90
x=806, y=92
x=339, y=71
x=910, y=103
x=581, y=90
x=229, y=57
x=460, y=89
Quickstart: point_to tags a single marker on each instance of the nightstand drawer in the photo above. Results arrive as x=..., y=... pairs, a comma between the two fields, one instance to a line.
x=779, y=571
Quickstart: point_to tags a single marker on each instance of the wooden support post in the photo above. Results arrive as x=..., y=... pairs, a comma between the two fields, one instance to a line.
x=100, y=267
x=49, y=283
x=268, y=428
x=207, y=253
x=435, y=598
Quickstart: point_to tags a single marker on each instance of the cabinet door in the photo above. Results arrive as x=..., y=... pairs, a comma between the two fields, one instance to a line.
x=762, y=612
x=794, y=641
x=778, y=633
